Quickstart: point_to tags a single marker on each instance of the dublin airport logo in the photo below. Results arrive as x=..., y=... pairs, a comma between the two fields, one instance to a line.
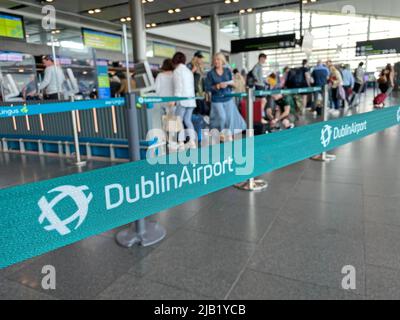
x=55, y=223
x=326, y=135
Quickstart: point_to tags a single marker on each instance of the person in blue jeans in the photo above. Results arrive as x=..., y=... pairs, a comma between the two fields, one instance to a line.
x=183, y=83
x=320, y=74
x=224, y=112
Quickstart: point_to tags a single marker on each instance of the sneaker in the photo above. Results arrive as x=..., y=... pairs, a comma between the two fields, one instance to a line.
x=334, y=112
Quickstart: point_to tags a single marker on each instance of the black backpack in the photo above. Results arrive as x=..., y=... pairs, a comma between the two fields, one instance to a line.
x=250, y=79
x=296, y=79
x=291, y=79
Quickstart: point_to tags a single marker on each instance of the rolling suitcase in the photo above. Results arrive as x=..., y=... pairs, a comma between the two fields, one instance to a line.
x=379, y=100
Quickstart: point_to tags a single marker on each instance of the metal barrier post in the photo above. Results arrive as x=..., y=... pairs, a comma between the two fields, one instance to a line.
x=325, y=157
x=78, y=157
x=142, y=232
x=252, y=184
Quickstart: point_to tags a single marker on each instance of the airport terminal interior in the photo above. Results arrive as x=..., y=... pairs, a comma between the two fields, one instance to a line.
x=316, y=81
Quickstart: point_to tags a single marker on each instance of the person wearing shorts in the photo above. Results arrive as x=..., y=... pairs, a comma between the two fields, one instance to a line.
x=279, y=115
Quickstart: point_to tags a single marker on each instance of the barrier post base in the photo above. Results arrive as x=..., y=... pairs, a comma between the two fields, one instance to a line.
x=252, y=185
x=324, y=158
x=151, y=234
x=76, y=163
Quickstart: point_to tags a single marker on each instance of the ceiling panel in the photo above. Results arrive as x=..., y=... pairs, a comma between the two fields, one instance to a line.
x=157, y=11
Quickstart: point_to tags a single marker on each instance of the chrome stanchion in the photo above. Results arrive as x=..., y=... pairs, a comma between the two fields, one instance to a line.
x=252, y=184
x=141, y=232
x=325, y=157
x=78, y=158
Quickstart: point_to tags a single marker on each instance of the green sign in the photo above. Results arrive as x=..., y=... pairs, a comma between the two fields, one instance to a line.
x=163, y=50
x=11, y=26
x=39, y=217
x=102, y=40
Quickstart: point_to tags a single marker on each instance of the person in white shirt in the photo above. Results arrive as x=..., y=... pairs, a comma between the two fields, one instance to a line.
x=53, y=80
x=164, y=85
x=184, y=87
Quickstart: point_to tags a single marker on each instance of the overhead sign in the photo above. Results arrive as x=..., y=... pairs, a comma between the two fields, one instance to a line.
x=264, y=43
x=102, y=40
x=11, y=26
x=378, y=47
x=163, y=50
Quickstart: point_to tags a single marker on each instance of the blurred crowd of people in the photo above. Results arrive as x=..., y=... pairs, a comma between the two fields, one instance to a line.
x=215, y=107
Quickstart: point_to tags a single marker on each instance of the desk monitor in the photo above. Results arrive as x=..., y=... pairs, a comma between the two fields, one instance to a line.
x=144, y=77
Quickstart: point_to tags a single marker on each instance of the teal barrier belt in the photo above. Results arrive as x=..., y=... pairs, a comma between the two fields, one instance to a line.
x=39, y=217
x=35, y=109
x=262, y=93
x=149, y=101
x=287, y=91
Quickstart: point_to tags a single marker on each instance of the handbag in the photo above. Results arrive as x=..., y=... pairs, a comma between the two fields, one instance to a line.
x=341, y=93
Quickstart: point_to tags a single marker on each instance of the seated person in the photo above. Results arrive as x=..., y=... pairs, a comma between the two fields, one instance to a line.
x=278, y=116
x=30, y=91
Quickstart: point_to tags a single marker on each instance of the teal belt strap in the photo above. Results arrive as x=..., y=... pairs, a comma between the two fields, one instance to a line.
x=40, y=217
x=262, y=93
x=48, y=108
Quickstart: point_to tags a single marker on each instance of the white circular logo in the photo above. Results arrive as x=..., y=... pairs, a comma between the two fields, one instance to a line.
x=349, y=10
x=326, y=135
x=398, y=115
x=55, y=222
x=140, y=100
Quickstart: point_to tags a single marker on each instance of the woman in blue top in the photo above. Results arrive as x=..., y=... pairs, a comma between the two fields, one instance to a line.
x=224, y=112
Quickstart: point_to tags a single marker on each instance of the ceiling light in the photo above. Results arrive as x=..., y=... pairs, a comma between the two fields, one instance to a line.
x=93, y=11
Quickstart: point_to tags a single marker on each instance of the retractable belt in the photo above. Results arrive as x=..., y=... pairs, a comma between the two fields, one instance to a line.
x=40, y=217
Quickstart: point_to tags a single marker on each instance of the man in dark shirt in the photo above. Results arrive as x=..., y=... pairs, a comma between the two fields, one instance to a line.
x=320, y=74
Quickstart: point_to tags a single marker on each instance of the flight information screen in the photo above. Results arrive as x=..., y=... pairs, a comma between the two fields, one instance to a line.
x=377, y=47
x=11, y=26
x=102, y=40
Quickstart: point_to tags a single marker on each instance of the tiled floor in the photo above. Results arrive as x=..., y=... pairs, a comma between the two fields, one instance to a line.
x=289, y=242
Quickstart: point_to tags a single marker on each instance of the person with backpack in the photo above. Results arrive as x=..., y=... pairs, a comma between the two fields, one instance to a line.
x=257, y=73
x=358, y=85
x=300, y=78
x=255, y=78
x=320, y=75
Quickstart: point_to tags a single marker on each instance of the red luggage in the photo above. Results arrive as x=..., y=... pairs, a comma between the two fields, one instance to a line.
x=380, y=99
x=257, y=110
